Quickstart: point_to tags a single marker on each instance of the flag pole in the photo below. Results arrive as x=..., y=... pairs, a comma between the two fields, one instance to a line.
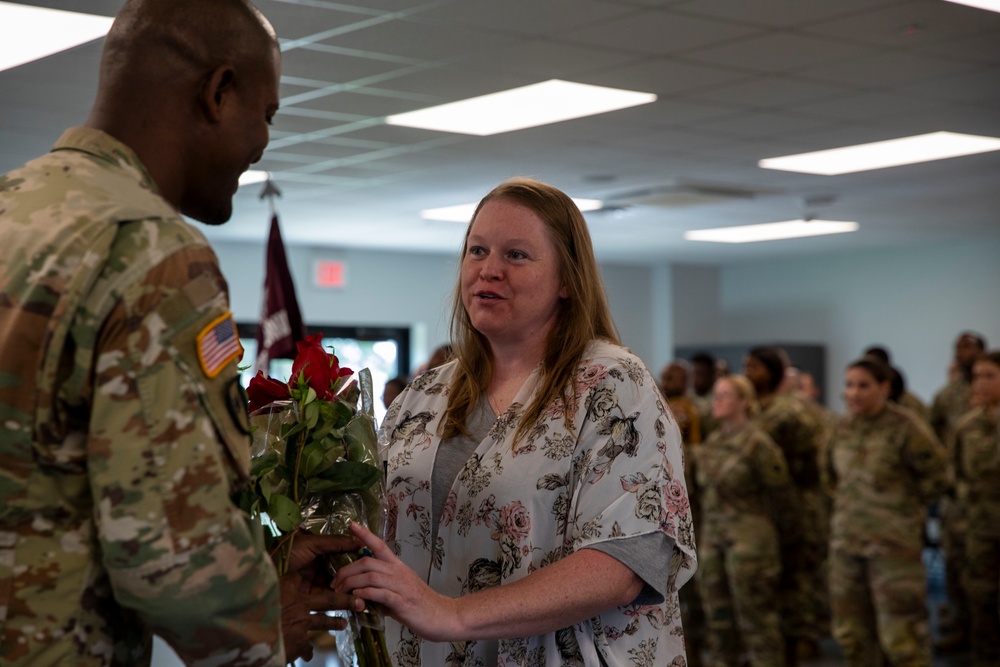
x=281, y=325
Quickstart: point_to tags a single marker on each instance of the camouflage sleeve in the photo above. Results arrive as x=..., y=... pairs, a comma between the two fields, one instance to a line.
x=695, y=432
x=938, y=417
x=772, y=473
x=796, y=435
x=167, y=446
x=928, y=462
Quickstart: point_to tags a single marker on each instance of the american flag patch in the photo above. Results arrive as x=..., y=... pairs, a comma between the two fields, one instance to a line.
x=218, y=344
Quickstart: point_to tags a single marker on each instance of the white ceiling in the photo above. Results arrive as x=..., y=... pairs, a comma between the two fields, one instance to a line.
x=737, y=80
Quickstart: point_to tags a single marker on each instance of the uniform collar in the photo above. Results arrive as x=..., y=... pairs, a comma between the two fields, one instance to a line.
x=103, y=146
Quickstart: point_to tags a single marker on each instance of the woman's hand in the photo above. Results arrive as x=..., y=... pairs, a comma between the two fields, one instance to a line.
x=385, y=579
x=546, y=600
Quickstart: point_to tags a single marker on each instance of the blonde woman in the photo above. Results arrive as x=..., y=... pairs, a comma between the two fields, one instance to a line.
x=744, y=490
x=538, y=511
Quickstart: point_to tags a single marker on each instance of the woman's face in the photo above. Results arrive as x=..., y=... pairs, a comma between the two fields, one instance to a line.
x=511, y=286
x=757, y=373
x=727, y=402
x=986, y=383
x=865, y=396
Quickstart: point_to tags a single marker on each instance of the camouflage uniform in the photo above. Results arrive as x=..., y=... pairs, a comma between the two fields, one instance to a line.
x=686, y=415
x=915, y=405
x=949, y=406
x=706, y=421
x=884, y=470
x=977, y=461
x=692, y=607
x=119, y=452
x=746, y=500
x=797, y=431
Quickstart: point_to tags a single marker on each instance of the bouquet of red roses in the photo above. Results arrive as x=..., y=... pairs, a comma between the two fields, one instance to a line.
x=316, y=467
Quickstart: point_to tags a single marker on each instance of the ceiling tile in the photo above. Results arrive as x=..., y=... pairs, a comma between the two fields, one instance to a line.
x=656, y=32
x=887, y=71
x=868, y=106
x=771, y=91
x=909, y=25
x=778, y=13
x=782, y=52
x=762, y=125
x=547, y=59
x=527, y=18
x=970, y=84
x=983, y=49
x=664, y=76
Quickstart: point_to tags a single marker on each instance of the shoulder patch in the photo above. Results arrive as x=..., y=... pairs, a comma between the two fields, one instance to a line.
x=218, y=344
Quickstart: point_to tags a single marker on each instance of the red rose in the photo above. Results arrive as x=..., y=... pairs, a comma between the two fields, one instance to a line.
x=317, y=367
x=264, y=390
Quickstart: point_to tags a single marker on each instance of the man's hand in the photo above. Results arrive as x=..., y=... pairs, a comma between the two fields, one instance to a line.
x=305, y=590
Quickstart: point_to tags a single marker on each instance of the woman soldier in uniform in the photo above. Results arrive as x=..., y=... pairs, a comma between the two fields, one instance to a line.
x=977, y=460
x=884, y=467
x=744, y=488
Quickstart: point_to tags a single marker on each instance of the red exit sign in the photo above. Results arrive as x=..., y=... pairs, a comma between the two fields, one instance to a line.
x=329, y=274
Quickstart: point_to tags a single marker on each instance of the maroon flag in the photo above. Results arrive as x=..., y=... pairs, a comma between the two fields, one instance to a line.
x=280, y=320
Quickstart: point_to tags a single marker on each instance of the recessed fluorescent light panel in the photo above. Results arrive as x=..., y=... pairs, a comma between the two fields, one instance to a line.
x=463, y=212
x=882, y=154
x=771, y=231
x=252, y=176
x=529, y=106
x=29, y=33
x=989, y=5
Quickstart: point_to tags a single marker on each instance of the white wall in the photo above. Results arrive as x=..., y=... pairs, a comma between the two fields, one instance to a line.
x=415, y=290
x=697, y=314
x=914, y=301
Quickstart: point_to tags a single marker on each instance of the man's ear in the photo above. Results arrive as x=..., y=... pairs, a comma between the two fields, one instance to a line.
x=215, y=92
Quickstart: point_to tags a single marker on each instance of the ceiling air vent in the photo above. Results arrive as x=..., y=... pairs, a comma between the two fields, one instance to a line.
x=683, y=194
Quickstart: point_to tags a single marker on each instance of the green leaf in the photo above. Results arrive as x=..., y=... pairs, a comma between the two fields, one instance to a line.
x=362, y=443
x=345, y=476
x=284, y=512
x=312, y=457
x=340, y=414
x=264, y=464
x=312, y=415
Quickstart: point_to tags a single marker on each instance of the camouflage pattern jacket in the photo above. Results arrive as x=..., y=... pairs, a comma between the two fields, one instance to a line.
x=122, y=427
x=798, y=431
x=743, y=489
x=884, y=471
x=950, y=404
x=976, y=454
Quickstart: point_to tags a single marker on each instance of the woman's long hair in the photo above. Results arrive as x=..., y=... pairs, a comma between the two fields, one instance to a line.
x=583, y=315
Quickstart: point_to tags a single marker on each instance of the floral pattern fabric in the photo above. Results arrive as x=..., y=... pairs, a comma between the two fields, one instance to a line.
x=615, y=473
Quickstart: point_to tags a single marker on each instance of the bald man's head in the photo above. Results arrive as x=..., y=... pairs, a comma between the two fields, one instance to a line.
x=156, y=45
x=674, y=379
x=191, y=86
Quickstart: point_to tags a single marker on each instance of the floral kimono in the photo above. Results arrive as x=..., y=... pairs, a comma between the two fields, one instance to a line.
x=615, y=473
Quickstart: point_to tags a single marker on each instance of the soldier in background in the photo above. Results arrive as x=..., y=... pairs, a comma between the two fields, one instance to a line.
x=898, y=392
x=673, y=384
x=703, y=376
x=125, y=428
x=747, y=509
x=797, y=432
x=950, y=404
x=976, y=454
x=884, y=467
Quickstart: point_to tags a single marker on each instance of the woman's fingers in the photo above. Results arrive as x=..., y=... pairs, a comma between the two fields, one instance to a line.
x=378, y=548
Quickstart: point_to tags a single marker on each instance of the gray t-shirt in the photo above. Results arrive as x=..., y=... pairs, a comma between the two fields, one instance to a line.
x=646, y=555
